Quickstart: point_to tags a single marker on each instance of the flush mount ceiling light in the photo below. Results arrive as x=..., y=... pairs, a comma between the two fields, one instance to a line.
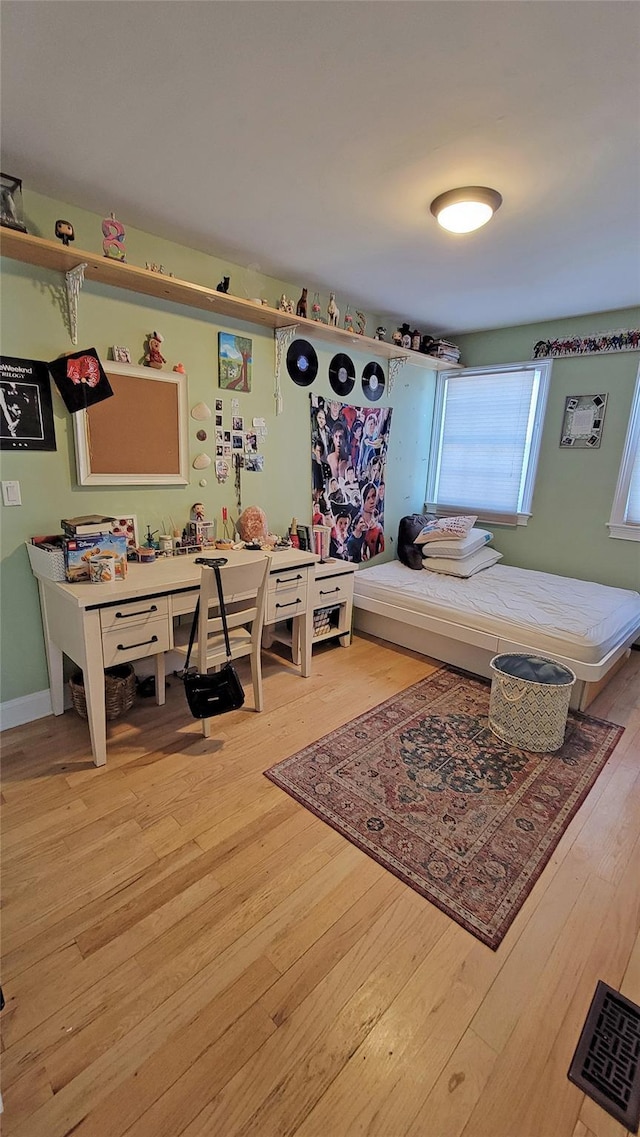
x=463, y=210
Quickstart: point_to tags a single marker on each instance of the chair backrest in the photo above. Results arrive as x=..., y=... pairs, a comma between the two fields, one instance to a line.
x=244, y=589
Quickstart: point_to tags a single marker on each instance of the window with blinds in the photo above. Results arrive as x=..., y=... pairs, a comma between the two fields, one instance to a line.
x=625, y=515
x=486, y=439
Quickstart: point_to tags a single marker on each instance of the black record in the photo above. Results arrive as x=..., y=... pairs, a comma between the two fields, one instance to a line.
x=342, y=374
x=373, y=382
x=302, y=363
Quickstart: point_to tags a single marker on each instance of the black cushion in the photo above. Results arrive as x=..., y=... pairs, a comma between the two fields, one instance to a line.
x=408, y=529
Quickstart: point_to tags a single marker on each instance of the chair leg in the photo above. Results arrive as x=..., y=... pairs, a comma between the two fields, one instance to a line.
x=256, y=676
x=206, y=728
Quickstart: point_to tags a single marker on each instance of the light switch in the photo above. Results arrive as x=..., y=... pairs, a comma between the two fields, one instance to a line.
x=11, y=493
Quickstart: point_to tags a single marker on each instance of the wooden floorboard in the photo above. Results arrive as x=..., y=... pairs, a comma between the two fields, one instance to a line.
x=188, y=951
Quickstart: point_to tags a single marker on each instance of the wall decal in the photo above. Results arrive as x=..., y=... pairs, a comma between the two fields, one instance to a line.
x=627, y=340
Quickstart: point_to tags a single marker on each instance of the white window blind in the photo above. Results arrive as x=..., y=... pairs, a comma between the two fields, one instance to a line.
x=487, y=425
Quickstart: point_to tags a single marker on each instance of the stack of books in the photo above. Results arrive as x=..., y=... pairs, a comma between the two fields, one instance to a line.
x=88, y=526
x=444, y=349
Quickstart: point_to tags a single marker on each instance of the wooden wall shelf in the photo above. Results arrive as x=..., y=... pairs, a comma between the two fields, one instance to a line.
x=54, y=255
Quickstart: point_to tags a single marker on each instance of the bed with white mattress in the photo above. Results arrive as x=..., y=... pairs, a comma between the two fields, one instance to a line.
x=587, y=626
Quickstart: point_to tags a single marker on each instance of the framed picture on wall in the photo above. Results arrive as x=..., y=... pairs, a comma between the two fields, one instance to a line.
x=234, y=362
x=583, y=421
x=26, y=411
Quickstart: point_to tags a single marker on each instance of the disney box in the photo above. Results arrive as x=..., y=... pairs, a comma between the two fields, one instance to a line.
x=78, y=552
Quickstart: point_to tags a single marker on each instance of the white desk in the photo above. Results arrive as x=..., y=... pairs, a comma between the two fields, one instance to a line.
x=99, y=625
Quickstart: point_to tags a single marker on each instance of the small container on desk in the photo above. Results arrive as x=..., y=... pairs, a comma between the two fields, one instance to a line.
x=46, y=557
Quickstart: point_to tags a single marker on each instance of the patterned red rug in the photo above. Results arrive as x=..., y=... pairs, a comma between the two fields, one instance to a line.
x=422, y=785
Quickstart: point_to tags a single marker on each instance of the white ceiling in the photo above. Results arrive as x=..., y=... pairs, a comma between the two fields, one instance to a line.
x=310, y=138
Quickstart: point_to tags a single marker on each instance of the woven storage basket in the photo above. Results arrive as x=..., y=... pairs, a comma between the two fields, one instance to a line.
x=529, y=700
x=119, y=691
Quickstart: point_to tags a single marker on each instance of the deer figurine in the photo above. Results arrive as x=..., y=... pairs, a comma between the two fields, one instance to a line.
x=333, y=312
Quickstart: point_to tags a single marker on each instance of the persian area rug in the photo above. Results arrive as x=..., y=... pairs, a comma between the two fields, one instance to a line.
x=422, y=785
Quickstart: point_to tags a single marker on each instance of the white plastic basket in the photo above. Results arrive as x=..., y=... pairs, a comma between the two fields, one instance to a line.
x=529, y=700
x=46, y=562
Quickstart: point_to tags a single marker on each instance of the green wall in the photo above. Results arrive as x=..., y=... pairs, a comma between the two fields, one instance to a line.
x=567, y=533
x=33, y=326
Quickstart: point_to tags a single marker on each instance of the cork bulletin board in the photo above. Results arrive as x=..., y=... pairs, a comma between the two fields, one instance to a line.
x=139, y=436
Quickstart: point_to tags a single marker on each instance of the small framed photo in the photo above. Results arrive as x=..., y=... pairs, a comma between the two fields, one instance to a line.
x=583, y=421
x=127, y=527
x=237, y=441
x=219, y=406
x=237, y=423
x=121, y=354
x=218, y=420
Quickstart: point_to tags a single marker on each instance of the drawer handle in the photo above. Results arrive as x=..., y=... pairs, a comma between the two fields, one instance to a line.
x=140, y=612
x=291, y=604
x=287, y=579
x=127, y=647
x=328, y=591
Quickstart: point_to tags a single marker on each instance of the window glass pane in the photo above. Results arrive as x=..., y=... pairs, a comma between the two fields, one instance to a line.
x=633, y=505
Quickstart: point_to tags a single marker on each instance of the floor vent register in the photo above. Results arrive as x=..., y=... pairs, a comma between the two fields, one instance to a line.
x=606, y=1064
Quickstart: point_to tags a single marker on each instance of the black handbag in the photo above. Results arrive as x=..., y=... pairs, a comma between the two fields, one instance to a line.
x=214, y=693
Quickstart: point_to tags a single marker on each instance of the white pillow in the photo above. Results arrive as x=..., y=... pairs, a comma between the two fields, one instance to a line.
x=475, y=539
x=445, y=528
x=465, y=566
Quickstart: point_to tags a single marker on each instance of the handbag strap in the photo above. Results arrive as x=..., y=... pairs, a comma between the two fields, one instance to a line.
x=214, y=563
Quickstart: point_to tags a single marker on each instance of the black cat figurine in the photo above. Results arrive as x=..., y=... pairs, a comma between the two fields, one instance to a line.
x=224, y=284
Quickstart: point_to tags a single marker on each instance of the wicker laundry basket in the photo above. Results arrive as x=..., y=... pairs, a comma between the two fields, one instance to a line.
x=119, y=691
x=529, y=700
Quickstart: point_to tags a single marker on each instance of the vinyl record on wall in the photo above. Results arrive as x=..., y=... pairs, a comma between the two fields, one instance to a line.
x=302, y=363
x=342, y=374
x=373, y=382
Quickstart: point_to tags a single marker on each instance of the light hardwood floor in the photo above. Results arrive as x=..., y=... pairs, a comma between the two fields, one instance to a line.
x=186, y=950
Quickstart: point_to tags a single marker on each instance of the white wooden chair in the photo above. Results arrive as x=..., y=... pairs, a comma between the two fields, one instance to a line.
x=244, y=588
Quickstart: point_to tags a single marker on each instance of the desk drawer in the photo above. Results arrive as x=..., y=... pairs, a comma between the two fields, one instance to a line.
x=121, y=645
x=286, y=596
x=332, y=590
x=134, y=612
x=184, y=602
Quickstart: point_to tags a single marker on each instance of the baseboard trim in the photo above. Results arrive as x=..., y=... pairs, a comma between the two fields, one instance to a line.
x=27, y=708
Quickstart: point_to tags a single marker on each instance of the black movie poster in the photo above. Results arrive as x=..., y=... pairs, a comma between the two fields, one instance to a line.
x=26, y=413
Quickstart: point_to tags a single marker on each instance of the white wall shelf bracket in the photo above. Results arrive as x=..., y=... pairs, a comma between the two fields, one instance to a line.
x=395, y=367
x=75, y=279
x=283, y=337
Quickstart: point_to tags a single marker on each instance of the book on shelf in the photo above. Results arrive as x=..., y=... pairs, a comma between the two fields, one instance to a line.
x=87, y=526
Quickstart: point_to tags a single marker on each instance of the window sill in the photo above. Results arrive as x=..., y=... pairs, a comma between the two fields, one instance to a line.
x=624, y=532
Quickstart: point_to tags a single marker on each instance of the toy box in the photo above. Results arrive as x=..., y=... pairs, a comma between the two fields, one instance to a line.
x=78, y=552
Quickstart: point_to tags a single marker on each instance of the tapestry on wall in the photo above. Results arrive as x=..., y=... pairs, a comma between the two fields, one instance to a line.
x=348, y=459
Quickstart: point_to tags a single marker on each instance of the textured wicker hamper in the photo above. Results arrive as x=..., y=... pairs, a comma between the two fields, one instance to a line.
x=529, y=700
x=119, y=691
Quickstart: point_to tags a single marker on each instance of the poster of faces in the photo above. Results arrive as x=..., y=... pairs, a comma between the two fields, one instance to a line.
x=348, y=459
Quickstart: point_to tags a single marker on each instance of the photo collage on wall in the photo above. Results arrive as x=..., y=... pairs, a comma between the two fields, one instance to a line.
x=348, y=459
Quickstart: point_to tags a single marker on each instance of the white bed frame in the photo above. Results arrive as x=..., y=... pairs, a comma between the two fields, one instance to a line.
x=472, y=649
